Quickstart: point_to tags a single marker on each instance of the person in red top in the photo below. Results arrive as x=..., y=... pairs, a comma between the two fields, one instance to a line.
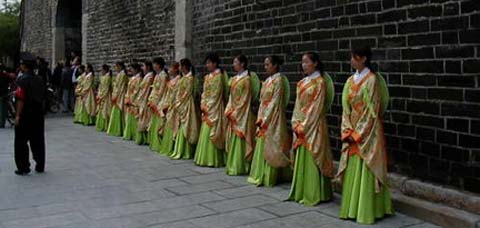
x=5, y=80
x=29, y=120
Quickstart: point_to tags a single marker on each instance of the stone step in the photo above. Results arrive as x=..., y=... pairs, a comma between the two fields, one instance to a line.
x=434, y=213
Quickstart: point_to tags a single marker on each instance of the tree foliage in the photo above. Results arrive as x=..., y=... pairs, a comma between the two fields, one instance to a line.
x=10, y=30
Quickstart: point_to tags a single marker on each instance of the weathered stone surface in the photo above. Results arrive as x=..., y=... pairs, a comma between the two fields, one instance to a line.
x=78, y=190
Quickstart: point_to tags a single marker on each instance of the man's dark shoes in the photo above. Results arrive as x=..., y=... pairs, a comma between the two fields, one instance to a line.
x=22, y=173
x=39, y=170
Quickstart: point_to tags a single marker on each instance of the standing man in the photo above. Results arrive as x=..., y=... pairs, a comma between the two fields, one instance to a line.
x=76, y=62
x=75, y=65
x=30, y=120
x=55, y=81
x=67, y=87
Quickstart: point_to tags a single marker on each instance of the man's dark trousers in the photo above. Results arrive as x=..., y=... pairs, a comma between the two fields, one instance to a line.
x=30, y=131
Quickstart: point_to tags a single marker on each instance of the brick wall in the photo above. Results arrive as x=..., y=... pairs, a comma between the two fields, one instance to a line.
x=36, y=28
x=428, y=50
x=129, y=30
x=117, y=29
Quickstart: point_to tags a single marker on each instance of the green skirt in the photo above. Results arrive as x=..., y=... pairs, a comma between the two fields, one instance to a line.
x=130, y=127
x=167, y=142
x=359, y=200
x=76, y=113
x=115, y=125
x=101, y=123
x=153, y=136
x=141, y=137
x=182, y=149
x=207, y=154
x=261, y=172
x=86, y=119
x=309, y=186
x=236, y=162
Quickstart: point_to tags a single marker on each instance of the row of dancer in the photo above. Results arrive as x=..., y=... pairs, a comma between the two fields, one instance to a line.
x=160, y=108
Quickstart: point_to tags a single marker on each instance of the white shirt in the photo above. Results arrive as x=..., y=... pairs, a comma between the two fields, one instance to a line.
x=358, y=76
x=149, y=73
x=243, y=74
x=217, y=71
x=274, y=76
x=312, y=76
x=74, y=78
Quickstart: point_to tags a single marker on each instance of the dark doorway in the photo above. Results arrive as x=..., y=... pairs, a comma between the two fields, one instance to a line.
x=68, y=30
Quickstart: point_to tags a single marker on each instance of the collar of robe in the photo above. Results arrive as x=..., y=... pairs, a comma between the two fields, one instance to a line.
x=188, y=74
x=312, y=76
x=274, y=76
x=242, y=74
x=358, y=76
x=149, y=73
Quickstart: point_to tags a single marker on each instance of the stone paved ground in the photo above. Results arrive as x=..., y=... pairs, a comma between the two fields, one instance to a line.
x=93, y=180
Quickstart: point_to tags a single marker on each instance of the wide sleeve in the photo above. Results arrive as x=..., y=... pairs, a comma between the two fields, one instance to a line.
x=286, y=91
x=265, y=113
x=346, y=126
x=255, y=85
x=103, y=88
x=384, y=94
x=88, y=83
x=371, y=98
x=330, y=92
x=226, y=85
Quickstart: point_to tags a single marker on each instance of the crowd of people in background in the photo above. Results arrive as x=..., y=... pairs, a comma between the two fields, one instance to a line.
x=60, y=82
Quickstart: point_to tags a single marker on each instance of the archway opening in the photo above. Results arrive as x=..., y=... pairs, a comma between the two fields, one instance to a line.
x=68, y=30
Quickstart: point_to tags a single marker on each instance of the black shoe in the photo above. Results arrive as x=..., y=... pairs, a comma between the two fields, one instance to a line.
x=39, y=170
x=22, y=173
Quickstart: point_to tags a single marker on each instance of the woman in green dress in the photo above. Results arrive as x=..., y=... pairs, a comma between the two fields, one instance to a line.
x=159, y=88
x=184, y=103
x=211, y=142
x=313, y=169
x=130, y=129
x=88, y=97
x=78, y=98
x=104, y=102
x=141, y=103
x=363, y=163
x=117, y=116
x=167, y=111
x=273, y=141
x=244, y=89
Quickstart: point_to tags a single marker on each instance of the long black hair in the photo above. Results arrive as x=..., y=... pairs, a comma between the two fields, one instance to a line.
x=364, y=51
x=214, y=58
x=276, y=61
x=106, y=68
x=148, y=64
x=121, y=65
x=186, y=62
x=314, y=57
x=161, y=62
x=243, y=59
x=82, y=68
x=90, y=68
x=137, y=67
